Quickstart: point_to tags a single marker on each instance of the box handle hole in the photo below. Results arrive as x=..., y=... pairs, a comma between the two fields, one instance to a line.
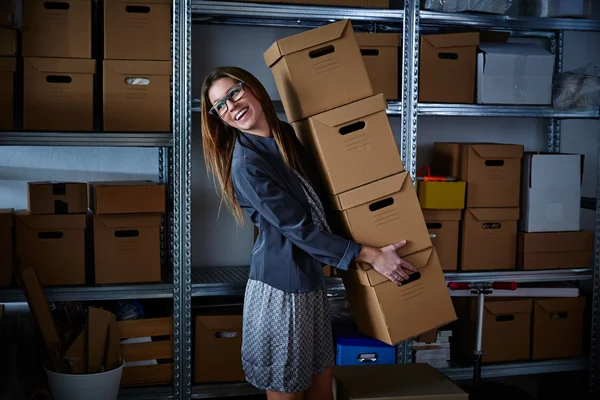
x=128, y=233
x=415, y=276
x=357, y=126
x=434, y=225
x=137, y=81
x=491, y=225
x=494, y=163
x=505, y=318
x=559, y=315
x=137, y=9
x=59, y=79
x=226, y=335
x=448, y=56
x=50, y=235
x=367, y=357
x=59, y=189
x=56, y=5
x=378, y=205
x=323, y=51
x=61, y=207
x=369, y=52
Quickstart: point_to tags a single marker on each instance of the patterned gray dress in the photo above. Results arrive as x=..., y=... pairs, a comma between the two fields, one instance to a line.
x=287, y=337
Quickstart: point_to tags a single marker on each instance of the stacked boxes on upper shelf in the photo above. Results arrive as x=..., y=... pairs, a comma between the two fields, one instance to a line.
x=137, y=66
x=328, y=96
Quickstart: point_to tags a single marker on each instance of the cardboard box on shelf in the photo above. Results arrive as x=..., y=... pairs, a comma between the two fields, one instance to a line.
x=336, y=3
x=448, y=68
x=57, y=197
x=8, y=42
x=318, y=70
x=137, y=96
x=59, y=29
x=382, y=213
x=443, y=227
x=514, y=73
x=489, y=239
x=59, y=94
x=441, y=195
x=54, y=245
x=564, y=318
x=6, y=246
x=7, y=13
x=137, y=30
x=492, y=171
x=126, y=197
x=551, y=192
x=394, y=313
x=7, y=92
x=127, y=248
x=353, y=145
x=218, y=337
x=394, y=382
x=554, y=250
x=380, y=55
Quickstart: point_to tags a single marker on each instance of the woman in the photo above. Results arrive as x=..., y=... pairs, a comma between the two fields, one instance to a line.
x=262, y=170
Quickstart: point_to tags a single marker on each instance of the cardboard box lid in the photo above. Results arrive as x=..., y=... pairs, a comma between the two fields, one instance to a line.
x=370, y=192
x=562, y=304
x=495, y=214
x=378, y=39
x=353, y=111
x=508, y=306
x=516, y=59
x=496, y=150
x=556, y=241
x=6, y=217
x=123, y=183
x=220, y=322
x=395, y=381
x=8, y=64
x=442, y=215
x=368, y=276
x=304, y=40
x=62, y=65
x=453, y=39
x=137, y=68
x=40, y=183
x=129, y=220
x=53, y=222
x=540, y=162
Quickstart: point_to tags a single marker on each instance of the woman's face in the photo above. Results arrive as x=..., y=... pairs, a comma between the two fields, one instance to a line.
x=243, y=114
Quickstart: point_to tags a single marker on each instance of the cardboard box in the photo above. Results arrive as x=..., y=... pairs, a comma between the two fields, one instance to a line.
x=7, y=13
x=137, y=30
x=394, y=382
x=551, y=192
x=336, y=3
x=60, y=29
x=218, y=337
x=57, y=197
x=353, y=145
x=137, y=96
x=489, y=240
x=127, y=248
x=492, y=171
x=380, y=54
x=54, y=245
x=126, y=197
x=318, y=70
x=6, y=246
x=441, y=195
x=327, y=271
x=564, y=318
x=59, y=94
x=555, y=250
x=382, y=213
x=7, y=93
x=8, y=42
x=354, y=348
x=447, y=68
x=514, y=73
x=394, y=313
x=443, y=227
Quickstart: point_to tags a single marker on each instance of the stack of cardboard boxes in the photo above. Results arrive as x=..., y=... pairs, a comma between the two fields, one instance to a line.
x=328, y=96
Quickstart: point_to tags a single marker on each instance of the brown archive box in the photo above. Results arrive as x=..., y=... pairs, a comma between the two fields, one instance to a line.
x=557, y=328
x=380, y=55
x=218, y=337
x=392, y=313
x=59, y=94
x=137, y=96
x=489, y=239
x=554, y=250
x=54, y=245
x=353, y=144
x=61, y=29
x=127, y=248
x=6, y=246
x=382, y=213
x=448, y=65
x=492, y=171
x=7, y=92
x=443, y=227
x=137, y=30
x=8, y=42
x=318, y=70
x=57, y=197
x=126, y=197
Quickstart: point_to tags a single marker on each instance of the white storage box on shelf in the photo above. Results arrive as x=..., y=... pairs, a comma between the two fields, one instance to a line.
x=453, y=6
x=556, y=8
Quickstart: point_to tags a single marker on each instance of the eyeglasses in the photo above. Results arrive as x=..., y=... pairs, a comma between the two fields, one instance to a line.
x=234, y=94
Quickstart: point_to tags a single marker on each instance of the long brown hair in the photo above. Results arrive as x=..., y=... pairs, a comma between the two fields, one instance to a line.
x=218, y=138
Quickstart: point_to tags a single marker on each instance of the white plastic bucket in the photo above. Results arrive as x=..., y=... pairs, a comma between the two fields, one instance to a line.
x=100, y=386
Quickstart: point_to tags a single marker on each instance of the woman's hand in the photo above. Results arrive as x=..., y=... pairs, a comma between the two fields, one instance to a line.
x=386, y=261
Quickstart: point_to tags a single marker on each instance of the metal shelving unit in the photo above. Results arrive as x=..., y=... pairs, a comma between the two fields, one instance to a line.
x=86, y=139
